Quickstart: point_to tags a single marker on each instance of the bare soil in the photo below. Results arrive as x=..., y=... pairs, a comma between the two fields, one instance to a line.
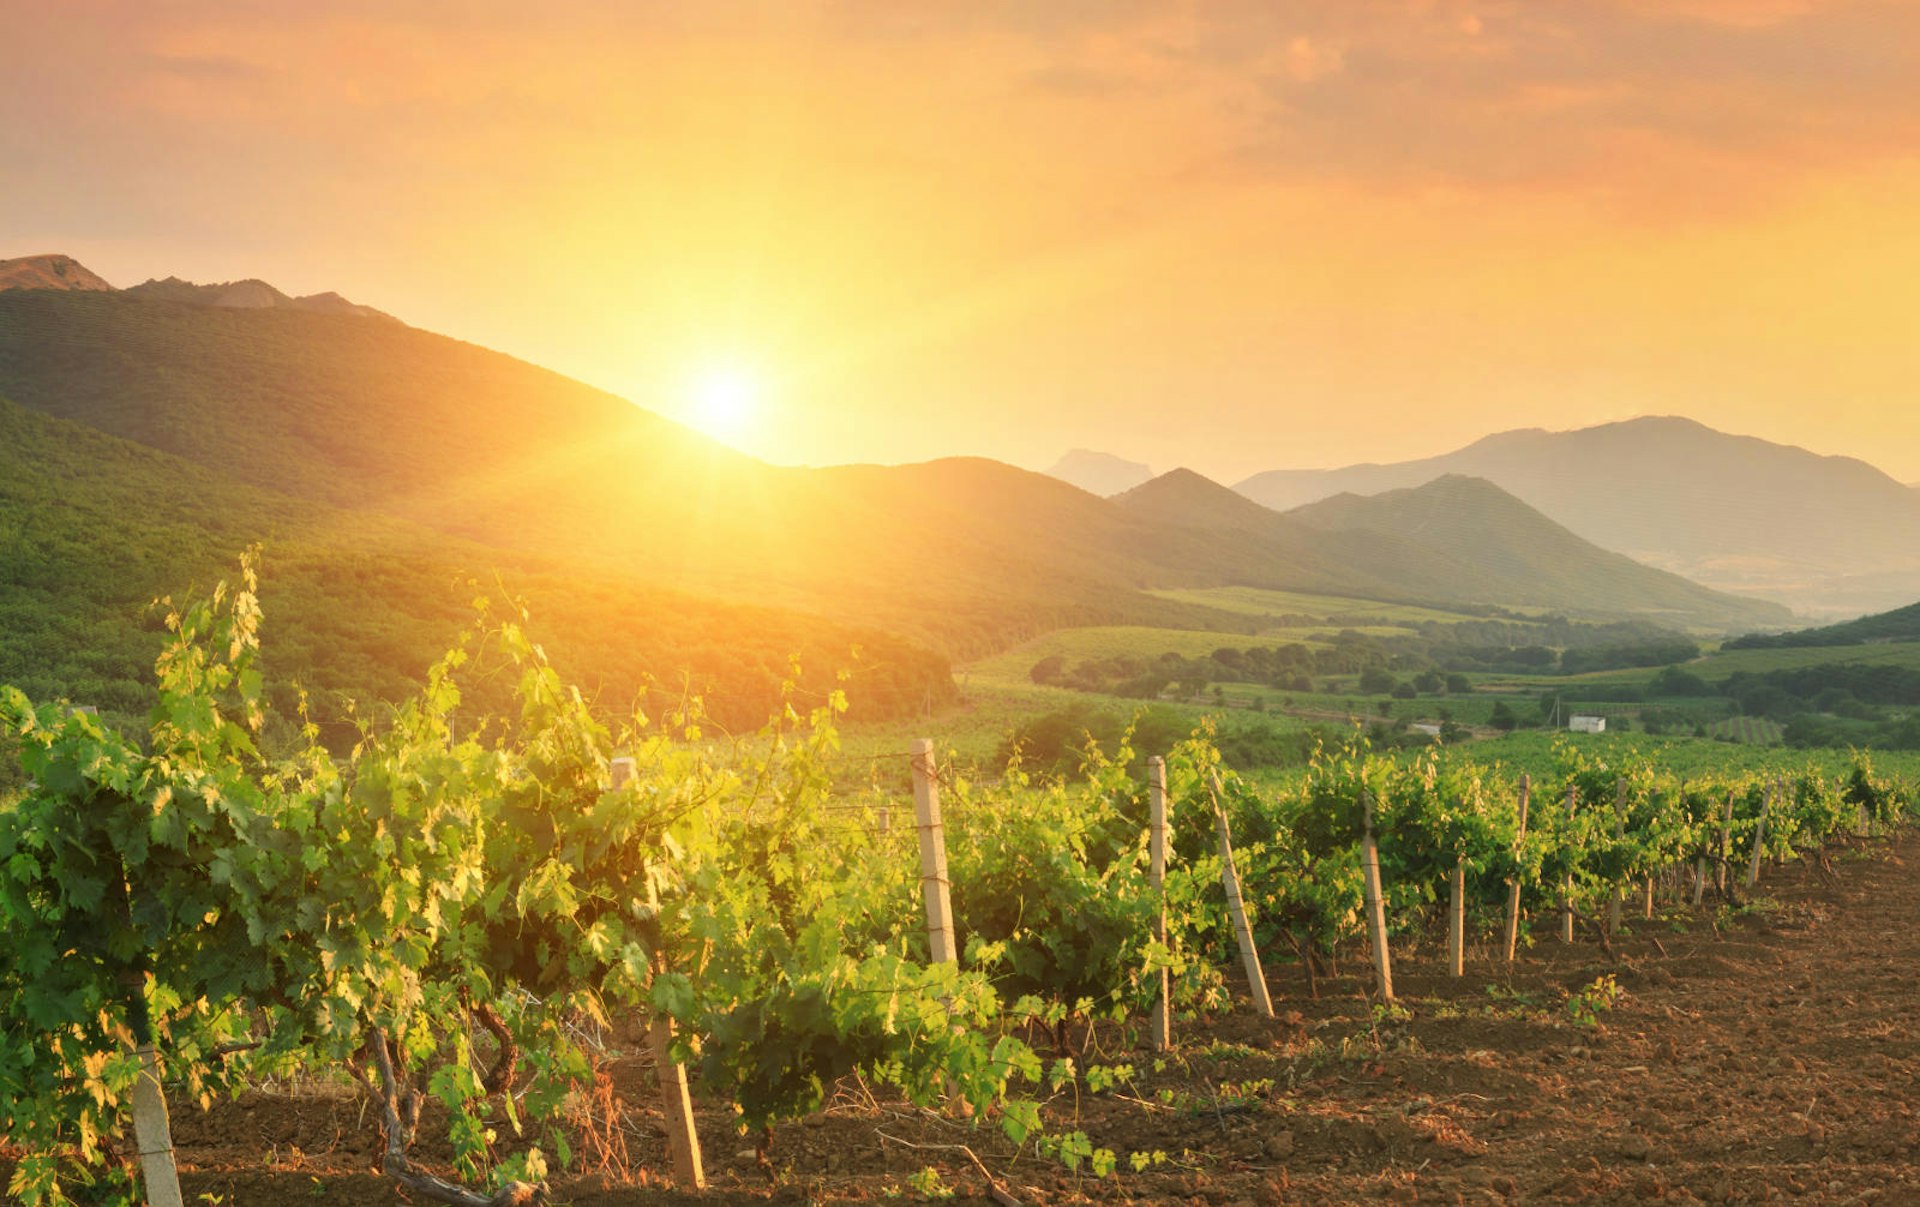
x=1753, y=1056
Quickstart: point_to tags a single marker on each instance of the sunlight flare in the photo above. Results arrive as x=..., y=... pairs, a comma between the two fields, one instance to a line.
x=724, y=400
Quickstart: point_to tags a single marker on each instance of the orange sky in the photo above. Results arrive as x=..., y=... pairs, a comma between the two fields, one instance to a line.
x=1238, y=235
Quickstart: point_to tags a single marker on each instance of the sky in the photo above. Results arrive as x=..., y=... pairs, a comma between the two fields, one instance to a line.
x=1235, y=235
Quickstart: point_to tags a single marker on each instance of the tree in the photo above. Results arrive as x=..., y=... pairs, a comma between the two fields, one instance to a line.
x=1503, y=718
x=1673, y=681
x=1458, y=684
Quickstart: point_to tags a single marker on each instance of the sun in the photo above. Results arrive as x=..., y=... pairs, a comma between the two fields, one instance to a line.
x=724, y=400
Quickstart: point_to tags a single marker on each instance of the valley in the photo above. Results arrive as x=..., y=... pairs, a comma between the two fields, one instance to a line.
x=608, y=580
x=1028, y=605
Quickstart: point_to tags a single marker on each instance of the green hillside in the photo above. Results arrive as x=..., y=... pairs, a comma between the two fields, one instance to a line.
x=375, y=416
x=969, y=555
x=1520, y=557
x=1901, y=624
x=92, y=528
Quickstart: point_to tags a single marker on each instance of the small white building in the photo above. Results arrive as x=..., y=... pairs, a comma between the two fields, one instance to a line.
x=1429, y=728
x=1587, y=723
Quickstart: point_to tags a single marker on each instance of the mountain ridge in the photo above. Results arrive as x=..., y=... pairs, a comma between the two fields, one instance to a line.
x=250, y=293
x=966, y=555
x=1465, y=535
x=1827, y=534
x=57, y=271
x=356, y=604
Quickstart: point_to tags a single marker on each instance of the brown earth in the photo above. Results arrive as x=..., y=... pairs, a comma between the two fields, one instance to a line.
x=1760, y=1055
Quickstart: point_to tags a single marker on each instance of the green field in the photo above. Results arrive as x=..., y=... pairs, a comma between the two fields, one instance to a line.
x=974, y=732
x=1323, y=707
x=1133, y=641
x=998, y=694
x=1721, y=664
x=1533, y=751
x=1757, y=731
x=1253, y=601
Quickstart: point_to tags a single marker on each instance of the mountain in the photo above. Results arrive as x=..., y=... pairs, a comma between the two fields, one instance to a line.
x=1461, y=540
x=357, y=605
x=66, y=273
x=1827, y=535
x=968, y=554
x=250, y=294
x=1101, y=474
x=472, y=463
x=48, y=272
x=1524, y=558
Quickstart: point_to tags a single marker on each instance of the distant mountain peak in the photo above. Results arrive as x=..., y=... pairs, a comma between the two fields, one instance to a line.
x=1830, y=535
x=248, y=294
x=1099, y=473
x=1181, y=496
x=50, y=271
x=56, y=271
x=1476, y=523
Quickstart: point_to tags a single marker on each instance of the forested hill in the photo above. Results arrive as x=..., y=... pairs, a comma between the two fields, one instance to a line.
x=970, y=555
x=375, y=417
x=1460, y=539
x=1524, y=558
x=1901, y=624
x=357, y=605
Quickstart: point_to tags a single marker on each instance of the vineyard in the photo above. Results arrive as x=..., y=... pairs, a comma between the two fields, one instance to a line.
x=503, y=938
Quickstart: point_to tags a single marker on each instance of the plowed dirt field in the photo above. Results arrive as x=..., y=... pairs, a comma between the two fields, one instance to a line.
x=1766, y=1054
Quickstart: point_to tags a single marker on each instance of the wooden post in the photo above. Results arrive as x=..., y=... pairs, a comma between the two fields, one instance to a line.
x=1726, y=835
x=1457, y=922
x=676, y=1101
x=1237, y=910
x=1699, y=879
x=1566, y=888
x=1162, y=1022
x=1619, y=832
x=1513, y=886
x=1376, y=903
x=153, y=1134
x=935, y=889
x=1649, y=896
x=683, y=1142
x=1759, y=837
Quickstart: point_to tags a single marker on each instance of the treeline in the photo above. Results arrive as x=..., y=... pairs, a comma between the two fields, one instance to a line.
x=1435, y=659
x=1056, y=743
x=1836, y=704
x=1901, y=624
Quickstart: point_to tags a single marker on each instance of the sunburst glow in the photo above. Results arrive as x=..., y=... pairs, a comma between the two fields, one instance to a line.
x=724, y=401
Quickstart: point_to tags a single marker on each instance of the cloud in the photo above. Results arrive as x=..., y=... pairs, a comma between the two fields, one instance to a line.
x=1620, y=97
